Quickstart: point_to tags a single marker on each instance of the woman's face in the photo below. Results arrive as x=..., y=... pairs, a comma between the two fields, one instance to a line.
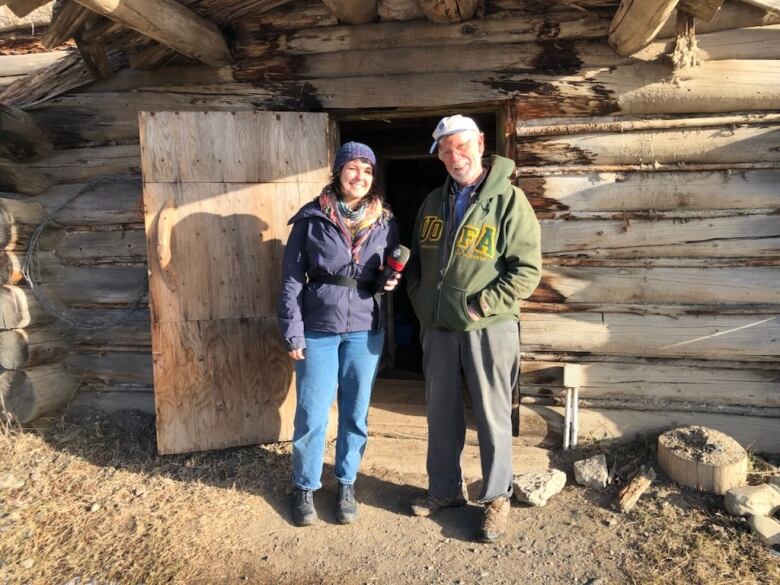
x=356, y=178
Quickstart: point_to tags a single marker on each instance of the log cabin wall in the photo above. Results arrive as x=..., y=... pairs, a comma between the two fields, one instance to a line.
x=657, y=192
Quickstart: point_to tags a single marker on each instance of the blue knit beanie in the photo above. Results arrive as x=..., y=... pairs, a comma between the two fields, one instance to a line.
x=350, y=151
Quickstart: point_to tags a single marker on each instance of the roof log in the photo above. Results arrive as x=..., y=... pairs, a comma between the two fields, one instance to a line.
x=637, y=22
x=170, y=24
x=353, y=11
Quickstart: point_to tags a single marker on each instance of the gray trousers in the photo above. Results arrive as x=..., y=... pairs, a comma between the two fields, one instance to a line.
x=490, y=360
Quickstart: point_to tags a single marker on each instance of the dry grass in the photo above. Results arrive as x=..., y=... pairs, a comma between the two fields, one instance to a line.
x=98, y=506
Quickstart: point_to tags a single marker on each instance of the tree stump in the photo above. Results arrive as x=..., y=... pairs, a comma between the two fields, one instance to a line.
x=702, y=458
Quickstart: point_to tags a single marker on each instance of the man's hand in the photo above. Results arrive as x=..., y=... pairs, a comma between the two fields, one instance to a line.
x=392, y=282
x=473, y=311
x=296, y=354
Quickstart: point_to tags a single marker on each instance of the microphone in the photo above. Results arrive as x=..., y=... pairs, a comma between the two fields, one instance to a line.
x=396, y=262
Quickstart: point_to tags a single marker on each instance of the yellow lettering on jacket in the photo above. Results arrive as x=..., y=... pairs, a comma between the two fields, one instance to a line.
x=486, y=243
x=431, y=229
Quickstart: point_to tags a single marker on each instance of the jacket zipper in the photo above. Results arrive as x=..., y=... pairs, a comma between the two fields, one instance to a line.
x=442, y=273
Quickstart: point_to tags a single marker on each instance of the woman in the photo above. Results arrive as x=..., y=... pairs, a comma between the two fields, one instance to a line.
x=331, y=319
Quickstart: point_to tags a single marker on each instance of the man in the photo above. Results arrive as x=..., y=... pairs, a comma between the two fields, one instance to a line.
x=475, y=254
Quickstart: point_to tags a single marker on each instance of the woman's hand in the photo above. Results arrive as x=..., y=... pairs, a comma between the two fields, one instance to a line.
x=392, y=282
x=296, y=354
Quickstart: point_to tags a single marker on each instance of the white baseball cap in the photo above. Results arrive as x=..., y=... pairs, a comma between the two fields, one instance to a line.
x=452, y=125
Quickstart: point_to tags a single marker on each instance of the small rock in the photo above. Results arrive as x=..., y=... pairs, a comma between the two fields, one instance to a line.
x=753, y=500
x=592, y=472
x=139, y=491
x=27, y=563
x=767, y=529
x=537, y=488
x=94, y=507
x=9, y=481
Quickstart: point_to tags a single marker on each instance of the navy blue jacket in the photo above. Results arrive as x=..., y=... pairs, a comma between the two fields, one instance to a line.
x=317, y=246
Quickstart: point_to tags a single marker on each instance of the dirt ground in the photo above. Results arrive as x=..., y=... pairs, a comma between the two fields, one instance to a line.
x=85, y=500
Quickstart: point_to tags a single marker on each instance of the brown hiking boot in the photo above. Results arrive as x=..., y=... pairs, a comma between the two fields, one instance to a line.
x=494, y=519
x=428, y=505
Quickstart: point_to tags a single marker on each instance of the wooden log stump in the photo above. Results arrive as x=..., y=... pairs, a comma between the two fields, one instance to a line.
x=19, y=308
x=27, y=395
x=22, y=348
x=20, y=137
x=703, y=459
x=18, y=221
x=444, y=11
x=637, y=22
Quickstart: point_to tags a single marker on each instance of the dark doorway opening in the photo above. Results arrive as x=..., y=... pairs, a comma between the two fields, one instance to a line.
x=407, y=173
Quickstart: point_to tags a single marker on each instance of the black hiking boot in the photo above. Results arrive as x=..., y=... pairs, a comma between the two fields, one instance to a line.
x=346, y=507
x=303, y=510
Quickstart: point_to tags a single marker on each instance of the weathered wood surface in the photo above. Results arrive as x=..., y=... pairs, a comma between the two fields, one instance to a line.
x=112, y=367
x=635, y=191
x=102, y=247
x=704, y=384
x=222, y=375
x=353, y=11
x=111, y=328
x=169, y=23
x=744, y=337
x=79, y=165
x=20, y=178
x=719, y=237
x=20, y=308
x=637, y=22
x=398, y=10
x=631, y=492
x=18, y=65
x=18, y=220
x=444, y=11
x=696, y=286
x=772, y=5
x=726, y=144
x=76, y=286
x=22, y=348
x=694, y=468
x=111, y=200
x=285, y=152
x=30, y=393
x=69, y=18
x=20, y=138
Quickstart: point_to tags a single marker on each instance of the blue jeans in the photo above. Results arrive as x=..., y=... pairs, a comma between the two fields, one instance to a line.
x=342, y=366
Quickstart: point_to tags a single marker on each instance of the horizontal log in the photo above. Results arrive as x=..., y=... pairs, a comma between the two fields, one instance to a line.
x=79, y=165
x=695, y=286
x=256, y=39
x=105, y=201
x=19, y=308
x=17, y=65
x=18, y=220
x=102, y=247
x=732, y=15
x=112, y=367
x=108, y=399
x=101, y=329
x=90, y=286
x=633, y=191
x=723, y=237
x=41, y=390
x=20, y=137
x=705, y=386
x=20, y=178
x=542, y=426
x=701, y=9
x=744, y=337
x=602, y=124
x=704, y=145
x=22, y=348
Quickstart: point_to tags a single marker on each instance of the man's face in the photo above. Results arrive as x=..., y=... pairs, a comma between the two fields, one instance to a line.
x=462, y=153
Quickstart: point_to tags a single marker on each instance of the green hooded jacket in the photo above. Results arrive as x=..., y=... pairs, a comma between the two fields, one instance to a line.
x=495, y=259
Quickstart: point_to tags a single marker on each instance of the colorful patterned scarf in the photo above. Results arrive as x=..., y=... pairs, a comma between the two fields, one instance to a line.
x=355, y=225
